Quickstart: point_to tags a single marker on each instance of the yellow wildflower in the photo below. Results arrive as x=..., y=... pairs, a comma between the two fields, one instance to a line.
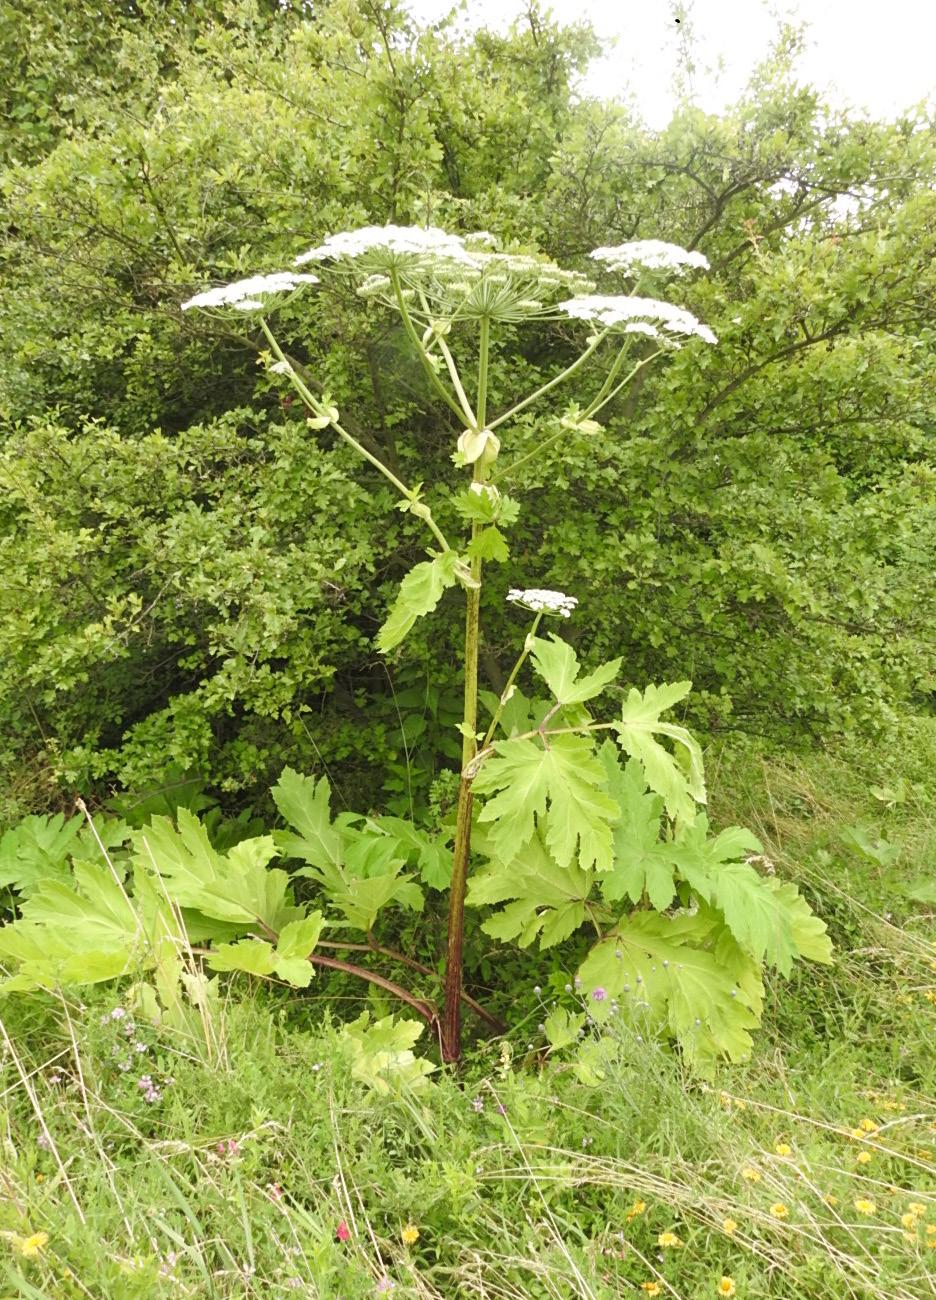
x=863, y=1157
x=636, y=1210
x=410, y=1234
x=40, y=1178
x=729, y=1227
x=929, y=995
x=29, y=1247
x=864, y=1206
x=726, y=1286
x=668, y=1239
x=830, y=1199
x=868, y=1126
x=858, y=1133
x=651, y=1288
x=917, y=1208
x=783, y=1149
x=931, y=1230
x=751, y=1174
x=779, y=1210
x=908, y=1220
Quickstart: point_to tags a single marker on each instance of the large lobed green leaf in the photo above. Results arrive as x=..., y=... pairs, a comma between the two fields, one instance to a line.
x=236, y=887
x=86, y=931
x=663, y=973
x=358, y=867
x=381, y=1054
x=681, y=785
x=558, y=665
x=420, y=592
x=546, y=899
x=39, y=848
x=528, y=778
x=306, y=804
x=289, y=959
x=642, y=863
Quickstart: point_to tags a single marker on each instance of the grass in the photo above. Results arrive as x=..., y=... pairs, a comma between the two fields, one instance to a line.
x=261, y=1168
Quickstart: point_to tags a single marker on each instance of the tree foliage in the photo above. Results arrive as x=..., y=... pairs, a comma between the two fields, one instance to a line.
x=190, y=578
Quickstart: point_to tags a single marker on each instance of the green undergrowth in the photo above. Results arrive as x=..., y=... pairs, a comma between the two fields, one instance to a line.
x=251, y=1163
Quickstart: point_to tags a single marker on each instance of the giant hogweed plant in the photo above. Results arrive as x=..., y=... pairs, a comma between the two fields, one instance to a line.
x=579, y=822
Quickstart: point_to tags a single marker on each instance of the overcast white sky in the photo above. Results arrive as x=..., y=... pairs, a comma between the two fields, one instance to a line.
x=875, y=54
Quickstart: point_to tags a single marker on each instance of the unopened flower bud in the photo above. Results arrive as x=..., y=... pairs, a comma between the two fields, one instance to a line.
x=479, y=444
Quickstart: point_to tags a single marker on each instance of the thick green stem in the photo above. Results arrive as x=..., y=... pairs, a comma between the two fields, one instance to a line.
x=612, y=374
x=467, y=413
x=600, y=400
x=553, y=383
x=606, y=396
x=507, y=691
x=451, y=1015
x=314, y=404
x=484, y=349
x=410, y=328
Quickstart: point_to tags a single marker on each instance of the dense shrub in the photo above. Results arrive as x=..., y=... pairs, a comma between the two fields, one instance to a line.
x=189, y=577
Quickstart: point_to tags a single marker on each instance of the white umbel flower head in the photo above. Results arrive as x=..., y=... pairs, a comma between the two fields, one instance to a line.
x=642, y=327
x=481, y=237
x=652, y=254
x=247, y=295
x=610, y=310
x=542, y=601
x=389, y=246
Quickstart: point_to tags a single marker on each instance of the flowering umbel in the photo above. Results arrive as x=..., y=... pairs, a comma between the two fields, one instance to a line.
x=249, y=294
x=611, y=310
x=543, y=601
x=652, y=254
x=388, y=245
